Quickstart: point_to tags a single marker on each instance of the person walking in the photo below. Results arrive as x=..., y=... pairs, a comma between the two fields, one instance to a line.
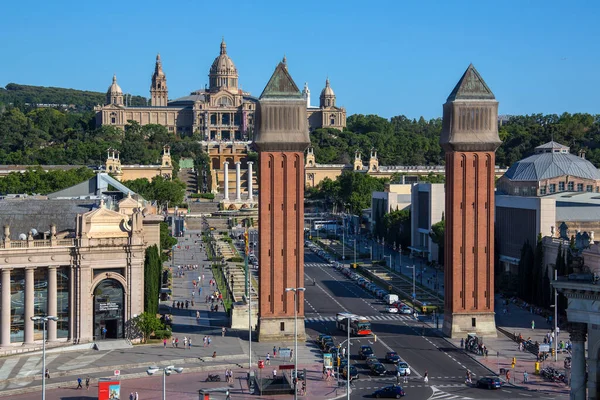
x=291, y=355
x=176, y=342
x=47, y=373
x=136, y=396
x=274, y=374
x=223, y=332
x=190, y=343
x=131, y=396
x=79, y=384
x=507, y=376
x=426, y=377
x=87, y=383
x=274, y=351
x=525, y=377
x=532, y=324
x=268, y=359
x=405, y=377
x=208, y=340
x=164, y=343
x=398, y=378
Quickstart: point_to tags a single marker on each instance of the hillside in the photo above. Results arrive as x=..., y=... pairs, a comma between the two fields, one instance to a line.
x=80, y=100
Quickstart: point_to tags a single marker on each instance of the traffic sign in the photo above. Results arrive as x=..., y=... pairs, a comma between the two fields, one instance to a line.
x=117, y=372
x=544, y=348
x=287, y=366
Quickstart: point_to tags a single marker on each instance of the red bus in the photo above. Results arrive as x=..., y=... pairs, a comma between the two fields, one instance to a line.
x=359, y=326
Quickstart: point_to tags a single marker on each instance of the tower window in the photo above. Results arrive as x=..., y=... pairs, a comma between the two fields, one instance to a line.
x=561, y=186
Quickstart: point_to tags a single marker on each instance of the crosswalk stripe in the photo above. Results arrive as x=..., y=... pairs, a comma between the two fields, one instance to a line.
x=7, y=367
x=372, y=318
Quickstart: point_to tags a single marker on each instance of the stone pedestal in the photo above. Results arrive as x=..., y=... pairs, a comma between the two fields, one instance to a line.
x=578, y=333
x=238, y=183
x=250, y=195
x=270, y=329
x=226, y=179
x=5, y=317
x=52, y=311
x=458, y=325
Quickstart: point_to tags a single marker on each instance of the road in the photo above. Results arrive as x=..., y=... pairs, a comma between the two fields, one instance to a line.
x=420, y=347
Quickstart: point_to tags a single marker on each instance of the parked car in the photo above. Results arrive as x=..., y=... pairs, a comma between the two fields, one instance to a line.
x=378, y=369
x=489, y=382
x=365, y=351
x=322, y=337
x=392, y=357
x=353, y=372
x=403, y=367
x=389, y=392
x=405, y=310
x=391, y=309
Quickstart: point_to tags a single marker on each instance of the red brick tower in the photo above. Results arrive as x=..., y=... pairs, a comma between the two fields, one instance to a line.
x=281, y=139
x=470, y=139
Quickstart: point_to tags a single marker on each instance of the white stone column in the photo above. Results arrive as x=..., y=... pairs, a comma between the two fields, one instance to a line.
x=250, y=196
x=578, y=386
x=238, y=184
x=28, y=305
x=52, y=302
x=226, y=179
x=5, y=318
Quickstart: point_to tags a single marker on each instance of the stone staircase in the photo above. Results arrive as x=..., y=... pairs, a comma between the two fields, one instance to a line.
x=203, y=206
x=188, y=176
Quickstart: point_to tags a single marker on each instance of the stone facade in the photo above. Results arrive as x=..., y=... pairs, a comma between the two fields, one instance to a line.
x=282, y=137
x=89, y=278
x=122, y=172
x=469, y=138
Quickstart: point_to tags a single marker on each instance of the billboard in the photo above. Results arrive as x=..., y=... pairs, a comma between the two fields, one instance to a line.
x=109, y=389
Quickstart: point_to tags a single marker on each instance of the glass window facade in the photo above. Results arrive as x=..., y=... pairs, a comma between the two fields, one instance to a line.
x=17, y=305
x=63, y=290
x=40, y=300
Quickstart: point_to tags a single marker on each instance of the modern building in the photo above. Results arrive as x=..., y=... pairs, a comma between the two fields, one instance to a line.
x=469, y=139
x=427, y=208
x=551, y=169
x=281, y=138
x=74, y=259
x=395, y=197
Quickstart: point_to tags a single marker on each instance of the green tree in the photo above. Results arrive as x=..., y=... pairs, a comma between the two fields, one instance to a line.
x=437, y=235
x=152, y=272
x=147, y=323
x=166, y=240
x=538, y=274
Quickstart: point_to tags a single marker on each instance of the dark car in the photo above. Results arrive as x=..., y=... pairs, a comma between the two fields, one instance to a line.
x=378, y=369
x=322, y=337
x=365, y=351
x=489, y=382
x=392, y=357
x=370, y=360
x=389, y=392
x=327, y=343
x=353, y=372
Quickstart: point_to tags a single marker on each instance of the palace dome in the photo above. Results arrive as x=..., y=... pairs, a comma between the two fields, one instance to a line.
x=552, y=160
x=222, y=65
x=327, y=90
x=114, y=88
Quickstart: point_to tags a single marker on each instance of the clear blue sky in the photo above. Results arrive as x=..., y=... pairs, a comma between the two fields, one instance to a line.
x=382, y=57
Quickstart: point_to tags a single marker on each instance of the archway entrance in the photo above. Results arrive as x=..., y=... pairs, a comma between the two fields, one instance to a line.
x=109, y=306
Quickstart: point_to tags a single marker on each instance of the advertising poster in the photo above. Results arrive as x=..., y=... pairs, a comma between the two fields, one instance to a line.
x=328, y=360
x=109, y=390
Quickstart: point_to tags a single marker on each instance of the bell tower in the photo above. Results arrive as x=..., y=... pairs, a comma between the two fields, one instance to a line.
x=373, y=161
x=358, y=164
x=281, y=139
x=310, y=157
x=470, y=139
x=159, y=94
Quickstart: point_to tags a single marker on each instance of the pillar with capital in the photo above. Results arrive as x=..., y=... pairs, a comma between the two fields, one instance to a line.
x=28, y=305
x=51, y=296
x=238, y=184
x=5, y=317
x=250, y=196
x=226, y=179
x=578, y=333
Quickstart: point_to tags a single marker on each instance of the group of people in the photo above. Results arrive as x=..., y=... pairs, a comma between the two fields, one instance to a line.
x=182, y=304
x=80, y=381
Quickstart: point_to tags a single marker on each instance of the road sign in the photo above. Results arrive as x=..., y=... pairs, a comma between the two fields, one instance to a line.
x=117, y=372
x=544, y=348
x=290, y=366
x=285, y=352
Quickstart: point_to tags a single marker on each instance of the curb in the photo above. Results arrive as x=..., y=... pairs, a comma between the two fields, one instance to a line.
x=12, y=392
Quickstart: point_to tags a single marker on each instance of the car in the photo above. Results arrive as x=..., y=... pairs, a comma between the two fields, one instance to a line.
x=392, y=357
x=365, y=351
x=378, y=369
x=389, y=392
x=370, y=360
x=327, y=343
x=405, y=310
x=331, y=348
x=391, y=310
x=323, y=336
x=353, y=372
x=489, y=382
x=402, y=368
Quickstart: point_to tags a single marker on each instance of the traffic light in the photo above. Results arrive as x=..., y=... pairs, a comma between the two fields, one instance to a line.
x=553, y=352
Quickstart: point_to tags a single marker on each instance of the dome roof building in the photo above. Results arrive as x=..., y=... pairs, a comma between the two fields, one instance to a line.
x=551, y=169
x=114, y=94
x=223, y=74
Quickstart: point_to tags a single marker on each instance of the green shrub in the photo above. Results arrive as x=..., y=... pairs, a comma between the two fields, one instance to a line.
x=235, y=259
x=209, y=196
x=163, y=334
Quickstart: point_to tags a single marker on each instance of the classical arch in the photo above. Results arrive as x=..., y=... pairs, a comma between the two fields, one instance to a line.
x=109, y=306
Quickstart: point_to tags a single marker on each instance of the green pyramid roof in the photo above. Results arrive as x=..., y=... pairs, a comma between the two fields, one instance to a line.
x=281, y=85
x=471, y=86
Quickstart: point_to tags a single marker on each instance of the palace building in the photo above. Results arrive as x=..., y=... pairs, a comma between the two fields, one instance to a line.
x=221, y=112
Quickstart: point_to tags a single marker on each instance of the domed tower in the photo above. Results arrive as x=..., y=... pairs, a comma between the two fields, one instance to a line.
x=469, y=139
x=159, y=93
x=327, y=98
x=223, y=74
x=114, y=94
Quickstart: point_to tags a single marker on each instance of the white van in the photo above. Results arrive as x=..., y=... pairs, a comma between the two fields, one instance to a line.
x=391, y=298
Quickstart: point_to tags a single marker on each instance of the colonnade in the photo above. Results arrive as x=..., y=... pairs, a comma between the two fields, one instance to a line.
x=238, y=181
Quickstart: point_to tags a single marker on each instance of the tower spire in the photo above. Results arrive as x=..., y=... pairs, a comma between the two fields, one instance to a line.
x=223, y=46
x=158, y=89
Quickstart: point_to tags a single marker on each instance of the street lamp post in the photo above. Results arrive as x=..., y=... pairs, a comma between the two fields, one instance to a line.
x=166, y=371
x=354, y=251
x=44, y=320
x=295, y=377
x=414, y=294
